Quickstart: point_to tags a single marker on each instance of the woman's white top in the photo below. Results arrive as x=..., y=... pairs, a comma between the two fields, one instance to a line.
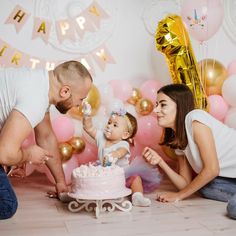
x=225, y=142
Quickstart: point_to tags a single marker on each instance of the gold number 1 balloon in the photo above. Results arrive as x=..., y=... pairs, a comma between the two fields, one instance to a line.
x=172, y=39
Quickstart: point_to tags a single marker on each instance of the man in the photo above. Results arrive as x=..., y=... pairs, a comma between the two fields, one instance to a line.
x=25, y=96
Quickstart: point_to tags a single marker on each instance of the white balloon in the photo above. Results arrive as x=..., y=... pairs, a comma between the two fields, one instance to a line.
x=228, y=90
x=106, y=93
x=131, y=109
x=115, y=104
x=230, y=118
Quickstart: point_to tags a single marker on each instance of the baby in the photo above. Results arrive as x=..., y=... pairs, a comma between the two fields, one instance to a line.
x=113, y=146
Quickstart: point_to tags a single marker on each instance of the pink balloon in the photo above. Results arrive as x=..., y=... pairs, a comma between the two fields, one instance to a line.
x=231, y=69
x=89, y=154
x=218, y=106
x=121, y=89
x=63, y=128
x=149, y=89
x=136, y=150
x=203, y=18
x=149, y=133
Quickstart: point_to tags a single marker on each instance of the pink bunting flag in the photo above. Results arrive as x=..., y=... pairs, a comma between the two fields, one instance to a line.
x=102, y=56
x=18, y=17
x=65, y=30
x=41, y=29
x=83, y=24
x=96, y=13
x=15, y=58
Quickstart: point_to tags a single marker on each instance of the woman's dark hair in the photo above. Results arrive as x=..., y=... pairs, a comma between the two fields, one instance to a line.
x=183, y=97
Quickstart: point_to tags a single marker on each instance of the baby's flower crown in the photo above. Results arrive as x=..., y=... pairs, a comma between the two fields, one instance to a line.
x=120, y=112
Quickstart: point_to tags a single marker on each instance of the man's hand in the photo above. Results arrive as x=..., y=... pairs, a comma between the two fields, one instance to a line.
x=61, y=188
x=36, y=155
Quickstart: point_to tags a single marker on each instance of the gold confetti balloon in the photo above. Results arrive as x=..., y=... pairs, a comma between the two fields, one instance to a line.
x=173, y=40
x=77, y=144
x=136, y=95
x=66, y=151
x=144, y=106
x=93, y=98
x=213, y=75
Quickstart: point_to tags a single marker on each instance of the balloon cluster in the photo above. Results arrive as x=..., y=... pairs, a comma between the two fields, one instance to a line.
x=144, y=98
x=203, y=19
x=75, y=145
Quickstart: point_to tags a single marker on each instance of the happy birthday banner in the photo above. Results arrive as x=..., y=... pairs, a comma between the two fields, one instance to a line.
x=89, y=20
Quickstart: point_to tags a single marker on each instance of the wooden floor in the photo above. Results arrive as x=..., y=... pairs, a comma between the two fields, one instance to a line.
x=39, y=215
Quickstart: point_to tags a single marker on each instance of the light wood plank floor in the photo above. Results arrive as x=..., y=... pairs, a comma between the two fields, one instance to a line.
x=38, y=215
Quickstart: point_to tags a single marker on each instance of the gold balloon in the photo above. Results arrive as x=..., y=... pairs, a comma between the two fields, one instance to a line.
x=77, y=144
x=136, y=95
x=93, y=98
x=66, y=151
x=213, y=75
x=144, y=106
x=172, y=39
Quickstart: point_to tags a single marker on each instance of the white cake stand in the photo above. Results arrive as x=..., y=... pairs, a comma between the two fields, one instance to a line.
x=100, y=204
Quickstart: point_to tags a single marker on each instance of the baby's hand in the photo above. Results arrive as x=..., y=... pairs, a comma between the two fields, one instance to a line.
x=110, y=159
x=87, y=110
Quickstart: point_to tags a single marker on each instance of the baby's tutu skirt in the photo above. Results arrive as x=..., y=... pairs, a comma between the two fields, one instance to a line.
x=149, y=174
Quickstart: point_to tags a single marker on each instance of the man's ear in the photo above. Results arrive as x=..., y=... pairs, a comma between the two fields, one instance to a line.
x=65, y=91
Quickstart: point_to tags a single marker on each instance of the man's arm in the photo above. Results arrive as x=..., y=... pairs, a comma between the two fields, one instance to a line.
x=15, y=130
x=46, y=139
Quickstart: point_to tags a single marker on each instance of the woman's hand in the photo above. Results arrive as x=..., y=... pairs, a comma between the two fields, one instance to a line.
x=151, y=156
x=169, y=197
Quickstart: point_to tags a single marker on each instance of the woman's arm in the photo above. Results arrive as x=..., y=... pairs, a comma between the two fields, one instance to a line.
x=181, y=179
x=205, y=142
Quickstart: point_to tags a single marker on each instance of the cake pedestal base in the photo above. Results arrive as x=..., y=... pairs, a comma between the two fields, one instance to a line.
x=100, y=205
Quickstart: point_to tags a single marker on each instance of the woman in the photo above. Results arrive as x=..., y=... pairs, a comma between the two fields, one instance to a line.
x=203, y=144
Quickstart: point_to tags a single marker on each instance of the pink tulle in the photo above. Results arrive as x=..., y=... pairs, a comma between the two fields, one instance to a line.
x=149, y=174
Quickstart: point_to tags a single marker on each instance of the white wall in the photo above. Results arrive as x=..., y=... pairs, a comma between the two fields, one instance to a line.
x=126, y=35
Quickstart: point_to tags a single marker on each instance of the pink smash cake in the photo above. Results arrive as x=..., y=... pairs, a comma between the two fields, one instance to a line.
x=93, y=182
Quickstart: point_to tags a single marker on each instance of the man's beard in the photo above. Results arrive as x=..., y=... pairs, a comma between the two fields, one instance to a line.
x=62, y=107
